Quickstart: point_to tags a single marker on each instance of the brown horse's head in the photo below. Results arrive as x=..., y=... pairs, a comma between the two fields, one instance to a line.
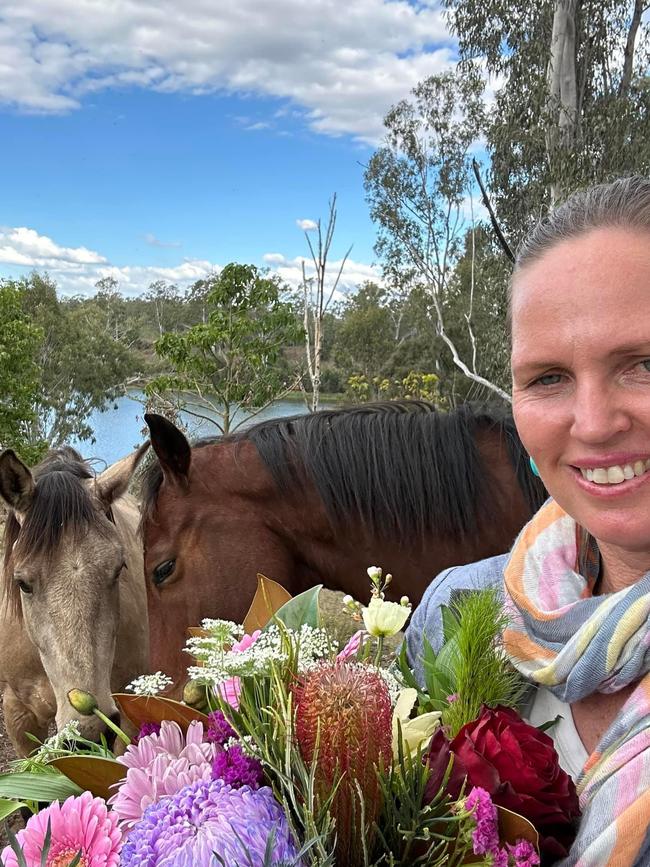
x=207, y=532
x=63, y=559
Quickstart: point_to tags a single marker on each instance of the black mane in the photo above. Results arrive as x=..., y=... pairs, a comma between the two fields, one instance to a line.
x=399, y=467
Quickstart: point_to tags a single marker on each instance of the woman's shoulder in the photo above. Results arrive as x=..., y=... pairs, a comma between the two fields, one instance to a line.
x=427, y=620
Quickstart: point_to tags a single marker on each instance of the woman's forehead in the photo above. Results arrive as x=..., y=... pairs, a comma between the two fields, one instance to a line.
x=594, y=288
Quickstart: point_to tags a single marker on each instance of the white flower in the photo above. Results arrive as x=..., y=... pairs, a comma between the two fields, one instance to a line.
x=382, y=618
x=374, y=573
x=416, y=733
x=150, y=684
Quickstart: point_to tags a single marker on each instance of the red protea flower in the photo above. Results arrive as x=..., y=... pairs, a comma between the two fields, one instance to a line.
x=345, y=711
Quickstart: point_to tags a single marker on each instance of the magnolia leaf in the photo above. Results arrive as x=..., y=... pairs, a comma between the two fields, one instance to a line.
x=198, y=632
x=30, y=786
x=513, y=827
x=8, y=806
x=140, y=709
x=302, y=610
x=94, y=773
x=268, y=600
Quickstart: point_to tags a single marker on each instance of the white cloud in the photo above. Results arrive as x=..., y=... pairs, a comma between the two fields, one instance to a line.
x=341, y=65
x=353, y=274
x=23, y=246
x=273, y=258
x=307, y=225
x=76, y=270
x=153, y=241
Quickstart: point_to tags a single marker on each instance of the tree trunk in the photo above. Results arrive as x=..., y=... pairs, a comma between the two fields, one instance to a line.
x=562, y=92
x=628, y=64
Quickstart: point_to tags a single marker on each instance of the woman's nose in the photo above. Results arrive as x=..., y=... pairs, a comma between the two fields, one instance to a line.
x=599, y=414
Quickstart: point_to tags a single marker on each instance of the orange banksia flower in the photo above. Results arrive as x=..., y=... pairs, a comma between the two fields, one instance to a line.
x=344, y=713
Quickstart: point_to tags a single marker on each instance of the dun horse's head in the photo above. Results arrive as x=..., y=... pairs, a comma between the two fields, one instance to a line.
x=62, y=563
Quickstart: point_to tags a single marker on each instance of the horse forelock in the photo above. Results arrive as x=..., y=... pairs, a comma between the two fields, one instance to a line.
x=62, y=505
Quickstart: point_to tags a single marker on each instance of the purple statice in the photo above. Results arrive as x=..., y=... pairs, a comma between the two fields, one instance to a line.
x=500, y=858
x=485, y=836
x=211, y=818
x=237, y=769
x=524, y=854
x=148, y=728
x=219, y=729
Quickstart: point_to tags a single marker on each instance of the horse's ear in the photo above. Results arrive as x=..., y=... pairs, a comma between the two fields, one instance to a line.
x=113, y=482
x=171, y=447
x=16, y=482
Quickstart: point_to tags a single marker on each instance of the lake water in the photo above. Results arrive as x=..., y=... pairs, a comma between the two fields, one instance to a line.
x=119, y=429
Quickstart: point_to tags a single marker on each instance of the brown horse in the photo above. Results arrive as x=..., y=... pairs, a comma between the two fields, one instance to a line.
x=75, y=609
x=318, y=499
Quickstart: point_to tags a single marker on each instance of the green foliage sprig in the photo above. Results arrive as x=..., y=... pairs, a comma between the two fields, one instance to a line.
x=471, y=668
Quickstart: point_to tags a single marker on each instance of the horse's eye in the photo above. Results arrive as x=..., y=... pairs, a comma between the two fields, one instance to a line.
x=24, y=587
x=161, y=573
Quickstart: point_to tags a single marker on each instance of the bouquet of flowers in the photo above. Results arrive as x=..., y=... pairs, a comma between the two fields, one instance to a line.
x=290, y=749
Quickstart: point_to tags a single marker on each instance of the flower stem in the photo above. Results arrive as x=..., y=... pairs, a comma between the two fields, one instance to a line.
x=380, y=650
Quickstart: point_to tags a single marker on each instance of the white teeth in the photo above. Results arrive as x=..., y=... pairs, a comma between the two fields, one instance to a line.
x=617, y=474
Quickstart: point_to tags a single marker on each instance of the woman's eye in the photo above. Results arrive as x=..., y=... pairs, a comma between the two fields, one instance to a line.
x=646, y=364
x=161, y=573
x=548, y=379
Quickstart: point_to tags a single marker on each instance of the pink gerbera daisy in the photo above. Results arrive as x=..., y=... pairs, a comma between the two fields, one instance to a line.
x=161, y=764
x=81, y=824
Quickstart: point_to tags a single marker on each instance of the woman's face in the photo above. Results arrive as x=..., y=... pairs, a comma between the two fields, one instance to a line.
x=581, y=379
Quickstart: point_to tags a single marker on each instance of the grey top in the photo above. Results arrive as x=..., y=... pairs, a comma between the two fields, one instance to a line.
x=426, y=619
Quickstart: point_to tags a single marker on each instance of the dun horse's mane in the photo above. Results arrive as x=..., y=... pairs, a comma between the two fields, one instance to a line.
x=399, y=467
x=61, y=504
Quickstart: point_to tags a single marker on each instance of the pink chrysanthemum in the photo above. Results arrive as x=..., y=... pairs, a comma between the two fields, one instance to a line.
x=79, y=824
x=161, y=764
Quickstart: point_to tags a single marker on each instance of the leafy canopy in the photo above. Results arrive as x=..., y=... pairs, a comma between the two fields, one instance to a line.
x=233, y=359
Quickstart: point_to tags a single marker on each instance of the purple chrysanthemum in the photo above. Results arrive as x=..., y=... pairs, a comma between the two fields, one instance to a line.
x=485, y=836
x=237, y=769
x=219, y=729
x=206, y=819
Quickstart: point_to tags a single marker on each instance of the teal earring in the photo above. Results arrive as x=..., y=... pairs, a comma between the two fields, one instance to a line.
x=533, y=467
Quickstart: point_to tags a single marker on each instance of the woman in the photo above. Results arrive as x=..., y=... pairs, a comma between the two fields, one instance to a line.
x=577, y=582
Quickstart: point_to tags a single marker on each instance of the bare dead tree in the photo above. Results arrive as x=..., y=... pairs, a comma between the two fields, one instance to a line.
x=317, y=298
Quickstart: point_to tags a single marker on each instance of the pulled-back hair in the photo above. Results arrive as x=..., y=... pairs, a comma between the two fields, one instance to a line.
x=623, y=203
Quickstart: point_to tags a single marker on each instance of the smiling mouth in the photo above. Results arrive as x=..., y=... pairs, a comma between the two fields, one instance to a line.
x=615, y=475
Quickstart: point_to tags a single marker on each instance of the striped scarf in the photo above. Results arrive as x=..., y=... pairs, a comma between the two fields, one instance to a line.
x=563, y=638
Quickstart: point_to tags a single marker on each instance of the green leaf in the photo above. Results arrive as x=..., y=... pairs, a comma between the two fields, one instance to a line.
x=15, y=845
x=450, y=622
x=37, y=787
x=8, y=806
x=302, y=610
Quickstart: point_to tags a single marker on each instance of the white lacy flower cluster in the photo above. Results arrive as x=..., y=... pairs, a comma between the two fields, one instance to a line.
x=271, y=648
x=150, y=684
x=61, y=741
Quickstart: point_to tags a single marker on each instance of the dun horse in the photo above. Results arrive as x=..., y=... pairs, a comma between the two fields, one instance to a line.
x=75, y=604
x=320, y=498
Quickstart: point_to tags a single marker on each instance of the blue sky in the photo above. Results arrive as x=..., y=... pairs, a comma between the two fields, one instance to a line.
x=151, y=140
